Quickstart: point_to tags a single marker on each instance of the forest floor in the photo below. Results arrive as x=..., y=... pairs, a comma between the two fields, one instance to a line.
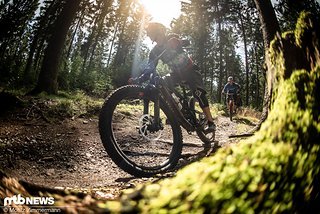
x=68, y=154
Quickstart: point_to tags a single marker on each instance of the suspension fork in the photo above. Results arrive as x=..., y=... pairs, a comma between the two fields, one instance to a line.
x=230, y=101
x=146, y=106
x=156, y=108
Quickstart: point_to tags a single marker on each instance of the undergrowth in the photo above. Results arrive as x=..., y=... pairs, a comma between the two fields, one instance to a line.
x=68, y=104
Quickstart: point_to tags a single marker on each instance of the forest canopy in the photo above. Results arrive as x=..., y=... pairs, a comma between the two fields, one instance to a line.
x=95, y=46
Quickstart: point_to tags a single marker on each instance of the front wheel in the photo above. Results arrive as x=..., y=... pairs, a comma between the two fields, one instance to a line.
x=231, y=107
x=131, y=137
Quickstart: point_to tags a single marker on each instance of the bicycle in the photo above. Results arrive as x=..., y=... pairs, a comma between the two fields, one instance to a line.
x=231, y=104
x=140, y=126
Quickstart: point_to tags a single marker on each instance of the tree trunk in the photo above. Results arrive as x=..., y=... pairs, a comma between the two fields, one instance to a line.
x=244, y=36
x=220, y=62
x=112, y=44
x=49, y=71
x=40, y=33
x=122, y=49
x=76, y=28
x=270, y=27
x=258, y=73
x=268, y=21
x=85, y=51
x=100, y=25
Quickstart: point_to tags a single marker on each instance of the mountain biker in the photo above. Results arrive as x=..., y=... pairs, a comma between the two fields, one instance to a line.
x=169, y=48
x=231, y=87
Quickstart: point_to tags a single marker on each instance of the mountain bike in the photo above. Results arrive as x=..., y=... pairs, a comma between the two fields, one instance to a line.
x=231, y=104
x=140, y=126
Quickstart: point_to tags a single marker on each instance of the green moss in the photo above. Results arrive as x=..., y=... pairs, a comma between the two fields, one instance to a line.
x=303, y=24
x=292, y=115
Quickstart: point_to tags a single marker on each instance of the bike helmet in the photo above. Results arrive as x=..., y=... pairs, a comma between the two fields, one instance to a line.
x=230, y=78
x=155, y=28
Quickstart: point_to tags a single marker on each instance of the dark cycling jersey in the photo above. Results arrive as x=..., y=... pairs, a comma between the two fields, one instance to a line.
x=183, y=69
x=231, y=88
x=172, y=54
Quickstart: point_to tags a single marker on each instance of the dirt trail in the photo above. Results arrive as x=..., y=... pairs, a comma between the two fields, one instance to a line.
x=70, y=154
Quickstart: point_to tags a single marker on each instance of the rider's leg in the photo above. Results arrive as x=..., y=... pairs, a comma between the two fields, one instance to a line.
x=200, y=95
x=207, y=113
x=195, y=83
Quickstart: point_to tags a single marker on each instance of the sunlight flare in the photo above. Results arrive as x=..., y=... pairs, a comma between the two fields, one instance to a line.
x=162, y=11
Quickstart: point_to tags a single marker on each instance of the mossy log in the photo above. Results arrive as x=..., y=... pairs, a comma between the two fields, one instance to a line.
x=275, y=171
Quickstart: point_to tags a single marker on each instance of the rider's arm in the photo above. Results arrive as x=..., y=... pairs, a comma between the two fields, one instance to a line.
x=224, y=90
x=238, y=88
x=146, y=72
x=150, y=68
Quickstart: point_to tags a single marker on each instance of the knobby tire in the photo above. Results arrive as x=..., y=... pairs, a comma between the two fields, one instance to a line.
x=115, y=151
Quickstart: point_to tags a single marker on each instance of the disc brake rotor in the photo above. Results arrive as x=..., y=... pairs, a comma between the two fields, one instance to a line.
x=146, y=121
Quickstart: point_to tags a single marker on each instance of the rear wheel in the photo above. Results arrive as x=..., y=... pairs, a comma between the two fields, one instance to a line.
x=205, y=137
x=131, y=137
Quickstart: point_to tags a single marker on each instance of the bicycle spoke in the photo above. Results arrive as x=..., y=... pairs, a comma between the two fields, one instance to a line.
x=137, y=141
